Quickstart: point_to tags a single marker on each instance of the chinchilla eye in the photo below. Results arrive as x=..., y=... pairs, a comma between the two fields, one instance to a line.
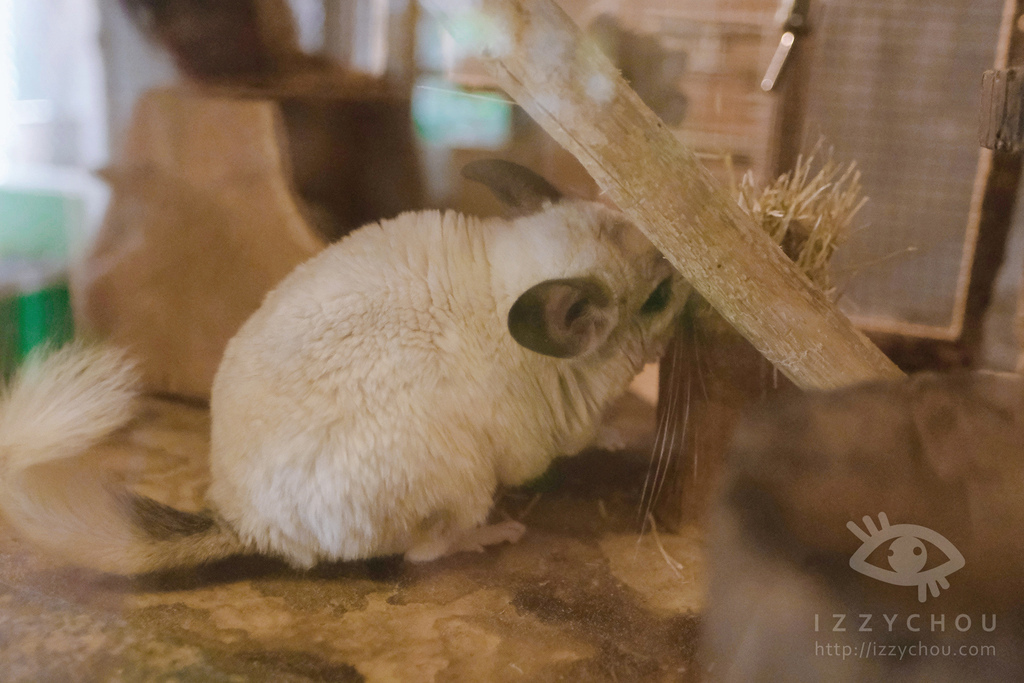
x=659, y=298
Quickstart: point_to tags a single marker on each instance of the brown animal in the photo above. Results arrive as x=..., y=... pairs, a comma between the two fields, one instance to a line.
x=941, y=452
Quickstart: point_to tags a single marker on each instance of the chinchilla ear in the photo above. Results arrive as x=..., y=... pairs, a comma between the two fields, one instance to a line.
x=563, y=318
x=519, y=188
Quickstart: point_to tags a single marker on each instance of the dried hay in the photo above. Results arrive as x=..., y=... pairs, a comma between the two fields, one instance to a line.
x=808, y=213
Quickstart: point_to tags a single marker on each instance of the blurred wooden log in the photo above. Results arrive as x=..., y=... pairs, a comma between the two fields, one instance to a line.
x=709, y=375
x=202, y=223
x=539, y=57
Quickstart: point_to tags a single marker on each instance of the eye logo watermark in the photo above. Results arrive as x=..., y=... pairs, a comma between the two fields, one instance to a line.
x=907, y=555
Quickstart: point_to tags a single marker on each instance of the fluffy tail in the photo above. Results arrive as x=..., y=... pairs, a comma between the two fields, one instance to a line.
x=56, y=409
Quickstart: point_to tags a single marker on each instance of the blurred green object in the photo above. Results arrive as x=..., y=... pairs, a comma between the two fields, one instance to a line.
x=10, y=336
x=449, y=115
x=35, y=309
x=35, y=306
x=44, y=316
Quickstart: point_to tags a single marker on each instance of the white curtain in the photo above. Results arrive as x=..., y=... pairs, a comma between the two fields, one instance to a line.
x=52, y=95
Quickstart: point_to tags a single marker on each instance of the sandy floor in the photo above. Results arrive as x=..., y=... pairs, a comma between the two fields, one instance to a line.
x=581, y=598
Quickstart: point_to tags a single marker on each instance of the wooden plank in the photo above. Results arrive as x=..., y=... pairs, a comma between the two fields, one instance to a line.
x=568, y=86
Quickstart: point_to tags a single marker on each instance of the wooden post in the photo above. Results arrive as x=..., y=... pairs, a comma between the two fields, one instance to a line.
x=537, y=55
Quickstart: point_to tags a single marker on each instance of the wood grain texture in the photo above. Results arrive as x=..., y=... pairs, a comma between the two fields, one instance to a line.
x=568, y=86
x=1002, y=116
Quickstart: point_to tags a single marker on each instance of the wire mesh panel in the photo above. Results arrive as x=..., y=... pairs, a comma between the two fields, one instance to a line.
x=895, y=85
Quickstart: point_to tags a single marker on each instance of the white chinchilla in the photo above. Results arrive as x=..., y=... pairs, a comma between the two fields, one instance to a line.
x=377, y=398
